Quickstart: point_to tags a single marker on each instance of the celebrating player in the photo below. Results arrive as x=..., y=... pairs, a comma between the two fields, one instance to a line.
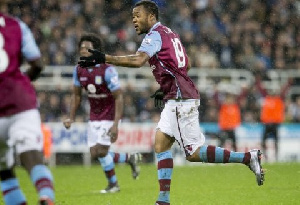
x=20, y=123
x=162, y=48
x=106, y=102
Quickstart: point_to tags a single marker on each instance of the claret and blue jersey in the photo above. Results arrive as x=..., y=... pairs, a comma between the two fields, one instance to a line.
x=99, y=82
x=16, y=40
x=169, y=62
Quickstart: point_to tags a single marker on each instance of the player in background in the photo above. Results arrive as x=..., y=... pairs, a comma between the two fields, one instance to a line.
x=20, y=123
x=105, y=96
x=162, y=48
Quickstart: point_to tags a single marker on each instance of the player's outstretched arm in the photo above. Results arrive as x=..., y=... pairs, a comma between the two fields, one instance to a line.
x=134, y=61
x=36, y=67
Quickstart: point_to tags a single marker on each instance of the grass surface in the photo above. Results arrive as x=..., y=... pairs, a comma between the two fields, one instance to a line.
x=191, y=185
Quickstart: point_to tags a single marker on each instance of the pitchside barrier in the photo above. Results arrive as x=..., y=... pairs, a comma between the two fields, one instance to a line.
x=60, y=77
x=139, y=137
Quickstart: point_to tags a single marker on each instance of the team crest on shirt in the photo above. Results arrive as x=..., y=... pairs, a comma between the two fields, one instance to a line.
x=91, y=88
x=98, y=80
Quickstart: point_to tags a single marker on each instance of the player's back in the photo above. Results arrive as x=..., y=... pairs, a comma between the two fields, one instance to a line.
x=16, y=92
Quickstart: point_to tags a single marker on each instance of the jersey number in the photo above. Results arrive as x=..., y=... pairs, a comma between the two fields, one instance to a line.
x=179, y=52
x=3, y=55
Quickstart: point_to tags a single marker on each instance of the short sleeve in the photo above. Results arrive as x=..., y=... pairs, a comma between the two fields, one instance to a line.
x=30, y=49
x=75, y=77
x=151, y=43
x=112, y=79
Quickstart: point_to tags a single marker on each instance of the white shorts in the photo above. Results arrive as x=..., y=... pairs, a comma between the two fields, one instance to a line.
x=22, y=133
x=97, y=132
x=180, y=119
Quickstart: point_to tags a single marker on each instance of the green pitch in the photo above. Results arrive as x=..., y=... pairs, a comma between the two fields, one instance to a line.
x=191, y=185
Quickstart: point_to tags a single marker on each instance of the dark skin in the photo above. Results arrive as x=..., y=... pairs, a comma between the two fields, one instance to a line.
x=31, y=158
x=28, y=159
x=143, y=21
x=98, y=150
x=36, y=67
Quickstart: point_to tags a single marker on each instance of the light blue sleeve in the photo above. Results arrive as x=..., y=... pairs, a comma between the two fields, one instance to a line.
x=151, y=43
x=30, y=50
x=112, y=79
x=75, y=77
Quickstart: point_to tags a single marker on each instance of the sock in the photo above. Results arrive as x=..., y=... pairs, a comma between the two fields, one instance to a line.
x=108, y=167
x=164, y=171
x=12, y=193
x=42, y=179
x=214, y=154
x=119, y=157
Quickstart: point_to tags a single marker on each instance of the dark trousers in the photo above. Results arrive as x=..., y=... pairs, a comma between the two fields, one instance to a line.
x=271, y=131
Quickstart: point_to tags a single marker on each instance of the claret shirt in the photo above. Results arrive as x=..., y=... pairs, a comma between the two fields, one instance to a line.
x=16, y=91
x=169, y=62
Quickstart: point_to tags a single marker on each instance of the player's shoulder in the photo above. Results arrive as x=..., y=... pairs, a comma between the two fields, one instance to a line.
x=164, y=30
x=110, y=68
x=106, y=65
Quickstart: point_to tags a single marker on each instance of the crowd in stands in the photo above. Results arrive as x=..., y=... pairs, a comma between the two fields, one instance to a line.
x=258, y=35
x=242, y=34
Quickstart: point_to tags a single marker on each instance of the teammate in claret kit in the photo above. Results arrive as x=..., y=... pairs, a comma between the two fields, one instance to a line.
x=169, y=63
x=20, y=123
x=105, y=96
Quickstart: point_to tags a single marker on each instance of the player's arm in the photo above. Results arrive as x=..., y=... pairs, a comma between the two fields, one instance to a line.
x=113, y=84
x=134, y=61
x=74, y=105
x=150, y=46
x=75, y=100
x=36, y=67
x=119, y=105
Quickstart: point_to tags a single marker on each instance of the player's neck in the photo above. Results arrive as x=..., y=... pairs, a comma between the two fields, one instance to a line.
x=152, y=23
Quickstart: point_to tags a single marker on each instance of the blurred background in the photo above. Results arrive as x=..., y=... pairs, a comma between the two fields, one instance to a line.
x=232, y=44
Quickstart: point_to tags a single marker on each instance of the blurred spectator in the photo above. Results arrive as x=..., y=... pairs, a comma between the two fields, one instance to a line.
x=47, y=142
x=130, y=112
x=229, y=115
x=226, y=27
x=272, y=112
x=294, y=110
x=243, y=34
x=205, y=58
